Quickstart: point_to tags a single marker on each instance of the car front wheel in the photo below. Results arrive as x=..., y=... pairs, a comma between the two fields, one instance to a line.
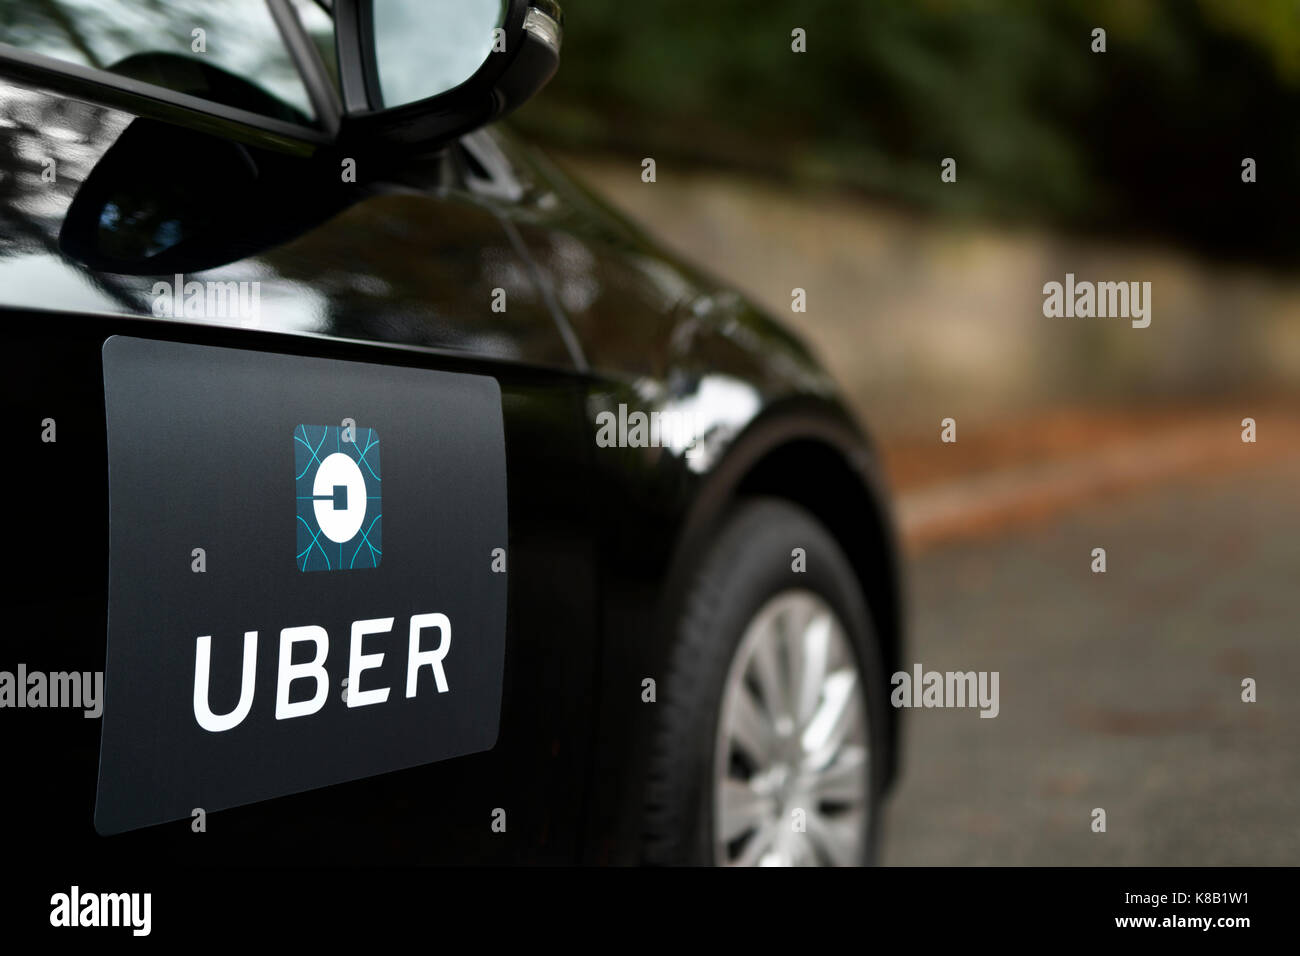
x=771, y=733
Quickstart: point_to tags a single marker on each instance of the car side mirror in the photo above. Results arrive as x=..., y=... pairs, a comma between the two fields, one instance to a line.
x=424, y=72
x=165, y=199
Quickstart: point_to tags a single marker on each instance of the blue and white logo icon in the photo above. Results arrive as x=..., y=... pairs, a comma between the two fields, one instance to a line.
x=339, y=498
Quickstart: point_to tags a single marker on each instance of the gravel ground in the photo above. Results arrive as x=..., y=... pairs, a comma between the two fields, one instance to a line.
x=1119, y=690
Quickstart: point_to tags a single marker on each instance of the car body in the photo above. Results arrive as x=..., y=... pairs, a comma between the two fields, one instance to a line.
x=399, y=270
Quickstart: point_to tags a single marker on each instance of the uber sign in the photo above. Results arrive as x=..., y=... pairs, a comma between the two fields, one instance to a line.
x=240, y=678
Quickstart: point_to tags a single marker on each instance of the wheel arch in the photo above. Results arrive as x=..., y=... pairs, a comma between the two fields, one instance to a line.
x=809, y=452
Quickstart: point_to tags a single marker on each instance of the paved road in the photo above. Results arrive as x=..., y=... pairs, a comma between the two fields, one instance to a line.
x=1118, y=690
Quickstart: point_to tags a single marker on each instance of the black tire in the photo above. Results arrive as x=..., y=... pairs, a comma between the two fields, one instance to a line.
x=748, y=564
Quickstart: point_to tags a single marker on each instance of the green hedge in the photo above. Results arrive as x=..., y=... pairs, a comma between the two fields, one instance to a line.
x=1146, y=138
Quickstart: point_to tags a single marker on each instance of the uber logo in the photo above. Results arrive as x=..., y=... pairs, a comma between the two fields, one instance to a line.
x=338, y=478
x=314, y=669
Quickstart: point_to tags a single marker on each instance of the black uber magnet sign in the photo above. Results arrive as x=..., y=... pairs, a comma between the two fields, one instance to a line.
x=300, y=588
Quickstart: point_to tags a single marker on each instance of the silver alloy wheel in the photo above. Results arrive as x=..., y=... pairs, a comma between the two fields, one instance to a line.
x=792, y=736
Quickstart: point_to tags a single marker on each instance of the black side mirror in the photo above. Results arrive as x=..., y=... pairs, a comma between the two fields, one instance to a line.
x=165, y=199
x=424, y=72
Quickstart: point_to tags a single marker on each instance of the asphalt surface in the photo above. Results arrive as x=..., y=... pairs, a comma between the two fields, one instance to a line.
x=1119, y=690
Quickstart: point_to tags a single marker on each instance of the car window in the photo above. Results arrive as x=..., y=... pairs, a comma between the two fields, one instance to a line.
x=229, y=52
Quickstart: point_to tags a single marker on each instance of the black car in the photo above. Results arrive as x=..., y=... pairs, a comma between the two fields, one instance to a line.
x=432, y=513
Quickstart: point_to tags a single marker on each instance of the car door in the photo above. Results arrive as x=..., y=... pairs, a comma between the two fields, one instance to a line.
x=349, y=268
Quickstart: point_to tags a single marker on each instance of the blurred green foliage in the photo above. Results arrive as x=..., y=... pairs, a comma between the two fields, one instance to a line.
x=1145, y=138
